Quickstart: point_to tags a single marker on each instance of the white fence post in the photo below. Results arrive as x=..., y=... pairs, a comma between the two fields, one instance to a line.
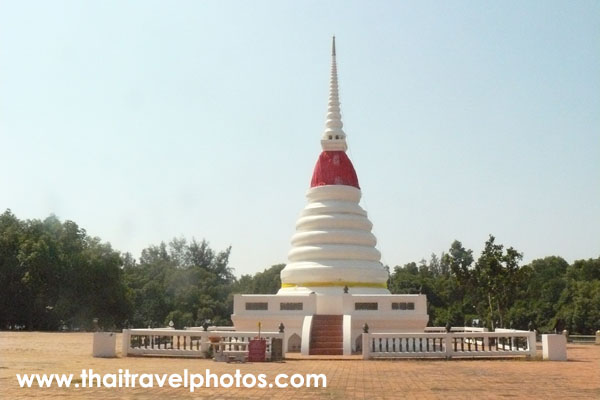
x=486, y=339
x=531, y=344
x=366, y=346
x=554, y=347
x=204, y=342
x=125, y=340
x=448, y=341
x=598, y=337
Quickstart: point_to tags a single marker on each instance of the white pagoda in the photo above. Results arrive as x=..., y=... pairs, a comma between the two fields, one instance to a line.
x=334, y=282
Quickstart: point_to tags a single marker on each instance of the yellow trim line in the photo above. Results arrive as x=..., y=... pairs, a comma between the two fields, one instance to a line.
x=324, y=284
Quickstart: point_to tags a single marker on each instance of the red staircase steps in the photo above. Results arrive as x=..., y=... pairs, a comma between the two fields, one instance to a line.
x=326, y=335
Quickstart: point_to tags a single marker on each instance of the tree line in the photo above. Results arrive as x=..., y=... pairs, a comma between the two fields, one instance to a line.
x=548, y=294
x=53, y=276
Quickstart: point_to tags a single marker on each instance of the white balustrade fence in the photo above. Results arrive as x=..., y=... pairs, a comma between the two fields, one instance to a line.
x=190, y=343
x=508, y=343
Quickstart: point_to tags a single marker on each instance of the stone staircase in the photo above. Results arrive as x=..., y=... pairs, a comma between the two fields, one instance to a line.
x=326, y=335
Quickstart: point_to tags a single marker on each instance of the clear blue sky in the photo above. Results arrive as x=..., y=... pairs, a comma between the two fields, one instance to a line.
x=146, y=120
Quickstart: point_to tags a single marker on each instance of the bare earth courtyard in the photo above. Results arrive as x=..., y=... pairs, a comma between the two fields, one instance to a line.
x=34, y=352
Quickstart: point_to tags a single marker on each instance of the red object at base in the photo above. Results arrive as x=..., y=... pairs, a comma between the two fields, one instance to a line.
x=257, y=350
x=334, y=168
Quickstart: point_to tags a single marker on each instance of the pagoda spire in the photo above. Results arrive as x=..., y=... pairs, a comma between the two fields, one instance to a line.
x=334, y=138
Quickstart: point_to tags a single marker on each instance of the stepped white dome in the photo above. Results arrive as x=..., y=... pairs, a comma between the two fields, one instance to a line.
x=333, y=246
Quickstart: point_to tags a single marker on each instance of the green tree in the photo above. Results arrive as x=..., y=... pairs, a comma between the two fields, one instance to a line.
x=495, y=278
x=265, y=282
x=186, y=282
x=55, y=274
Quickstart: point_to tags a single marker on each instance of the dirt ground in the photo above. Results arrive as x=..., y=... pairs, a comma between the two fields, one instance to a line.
x=35, y=352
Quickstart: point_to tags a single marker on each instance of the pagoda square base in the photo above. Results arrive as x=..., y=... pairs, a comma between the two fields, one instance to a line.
x=382, y=313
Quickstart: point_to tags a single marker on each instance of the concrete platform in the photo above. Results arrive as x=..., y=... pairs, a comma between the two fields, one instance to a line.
x=347, y=378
